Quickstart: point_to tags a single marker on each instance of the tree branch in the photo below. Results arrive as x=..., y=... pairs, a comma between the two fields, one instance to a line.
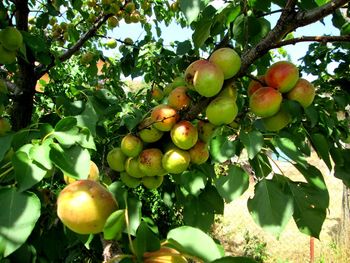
x=41, y=70
x=322, y=39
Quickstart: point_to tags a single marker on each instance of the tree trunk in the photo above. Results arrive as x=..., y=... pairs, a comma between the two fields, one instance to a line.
x=345, y=227
x=23, y=101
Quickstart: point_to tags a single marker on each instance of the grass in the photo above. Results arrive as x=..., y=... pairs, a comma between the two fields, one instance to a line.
x=292, y=246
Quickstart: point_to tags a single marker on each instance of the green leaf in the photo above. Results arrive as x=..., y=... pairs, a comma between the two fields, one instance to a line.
x=288, y=147
x=134, y=214
x=19, y=213
x=27, y=173
x=229, y=259
x=309, y=207
x=263, y=5
x=201, y=34
x=66, y=131
x=72, y=162
x=234, y=184
x=250, y=29
x=213, y=200
x=191, y=9
x=252, y=141
x=343, y=174
x=193, y=240
x=312, y=175
x=85, y=139
x=114, y=225
x=222, y=149
x=197, y=214
x=88, y=118
x=41, y=155
x=5, y=142
x=146, y=240
x=261, y=165
x=270, y=207
x=183, y=47
x=321, y=146
x=193, y=181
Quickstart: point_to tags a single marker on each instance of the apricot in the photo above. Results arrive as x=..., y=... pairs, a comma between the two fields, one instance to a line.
x=129, y=180
x=205, y=77
x=164, y=117
x=184, y=135
x=152, y=182
x=164, y=255
x=5, y=126
x=229, y=90
x=178, y=98
x=176, y=160
x=150, y=162
x=278, y=121
x=199, y=153
x=148, y=133
x=227, y=60
x=206, y=130
x=116, y=159
x=221, y=110
x=265, y=102
x=282, y=75
x=131, y=145
x=84, y=206
x=11, y=38
x=303, y=92
x=132, y=167
x=255, y=85
x=157, y=94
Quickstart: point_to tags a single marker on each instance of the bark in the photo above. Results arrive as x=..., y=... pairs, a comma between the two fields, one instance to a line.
x=23, y=101
x=345, y=226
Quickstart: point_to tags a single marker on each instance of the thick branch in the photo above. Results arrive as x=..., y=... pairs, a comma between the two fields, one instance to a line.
x=322, y=39
x=314, y=15
x=41, y=70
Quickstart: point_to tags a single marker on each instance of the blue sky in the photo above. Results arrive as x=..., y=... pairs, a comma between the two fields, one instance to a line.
x=174, y=32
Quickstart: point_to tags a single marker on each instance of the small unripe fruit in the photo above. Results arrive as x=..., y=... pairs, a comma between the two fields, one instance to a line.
x=227, y=60
x=303, y=92
x=229, y=90
x=111, y=43
x=150, y=162
x=128, y=41
x=129, y=7
x=129, y=181
x=7, y=56
x=278, y=121
x=86, y=58
x=205, y=78
x=5, y=126
x=135, y=16
x=184, y=135
x=112, y=22
x=221, y=110
x=157, y=94
x=176, y=160
x=152, y=182
x=178, y=98
x=265, y=102
x=11, y=39
x=148, y=133
x=282, y=75
x=131, y=145
x=116, y=159
x=132, y=167
x=84, y=206
x=199, y=153
x=164, y=117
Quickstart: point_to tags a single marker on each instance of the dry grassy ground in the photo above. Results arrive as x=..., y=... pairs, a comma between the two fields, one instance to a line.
x=293, y=246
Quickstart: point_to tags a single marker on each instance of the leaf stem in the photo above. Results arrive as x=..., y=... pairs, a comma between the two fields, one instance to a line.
x=6, y=172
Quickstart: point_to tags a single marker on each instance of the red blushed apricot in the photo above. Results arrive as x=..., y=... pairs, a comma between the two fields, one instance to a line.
x=265, y=102
x=282, y=75
x=199, y=153
x=178, y=98
x=255, y=85
x=303, y=92
x=164, y=117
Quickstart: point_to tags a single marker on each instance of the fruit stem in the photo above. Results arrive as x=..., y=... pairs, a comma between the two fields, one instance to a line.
x=6, y=172
x=5, y=165
x=46, y=136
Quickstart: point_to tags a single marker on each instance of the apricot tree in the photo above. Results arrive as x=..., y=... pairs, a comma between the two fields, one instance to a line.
x=164, y=151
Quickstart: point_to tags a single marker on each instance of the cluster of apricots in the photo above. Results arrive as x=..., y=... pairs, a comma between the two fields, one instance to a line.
x=280, y=82
x=165, y=143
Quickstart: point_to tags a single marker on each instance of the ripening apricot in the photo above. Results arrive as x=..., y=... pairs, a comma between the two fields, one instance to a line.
x=150, y=162
x=164, y=117
x=184, y=135
x=178, y=98
x=131, y=145
x=282, y=75
x=199, y=153
x=265, y=102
